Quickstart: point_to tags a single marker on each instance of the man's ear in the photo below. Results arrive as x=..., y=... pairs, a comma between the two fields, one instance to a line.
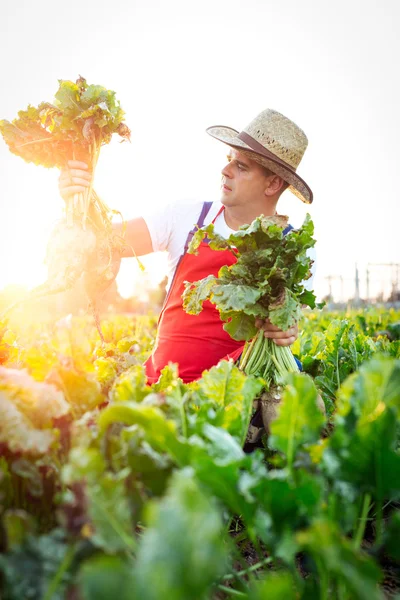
x=275, y=184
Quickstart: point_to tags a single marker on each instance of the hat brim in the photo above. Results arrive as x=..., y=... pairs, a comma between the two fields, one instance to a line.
x=297, y=185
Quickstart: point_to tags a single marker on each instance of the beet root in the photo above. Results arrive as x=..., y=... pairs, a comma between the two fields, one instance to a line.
x=68, y=252
x=269, y=404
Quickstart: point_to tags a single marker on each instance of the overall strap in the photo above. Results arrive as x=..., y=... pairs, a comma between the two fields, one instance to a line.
x=288, y=228
x=200, y=223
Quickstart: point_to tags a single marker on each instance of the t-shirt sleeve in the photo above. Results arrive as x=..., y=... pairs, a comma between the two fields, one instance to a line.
x=160, y=224
x=170, y=225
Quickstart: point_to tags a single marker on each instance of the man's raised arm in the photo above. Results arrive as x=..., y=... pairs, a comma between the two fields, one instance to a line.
x=136, y=236
x=75, y=179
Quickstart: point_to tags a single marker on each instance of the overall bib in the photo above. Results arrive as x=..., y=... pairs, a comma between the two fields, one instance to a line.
x=195, y=342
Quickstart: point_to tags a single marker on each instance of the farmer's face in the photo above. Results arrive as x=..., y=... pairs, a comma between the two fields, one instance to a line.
x=243, y=181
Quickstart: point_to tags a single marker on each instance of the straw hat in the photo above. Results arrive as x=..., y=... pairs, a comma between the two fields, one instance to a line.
x=275, y=142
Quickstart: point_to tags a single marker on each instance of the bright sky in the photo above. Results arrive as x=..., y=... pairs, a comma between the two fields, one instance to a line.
x=179, y=67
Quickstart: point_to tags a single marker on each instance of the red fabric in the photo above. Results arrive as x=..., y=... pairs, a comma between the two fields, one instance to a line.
x=195, y=342
x=234, y=355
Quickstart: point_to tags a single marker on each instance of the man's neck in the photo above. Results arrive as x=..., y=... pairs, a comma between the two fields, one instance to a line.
x=237, y=216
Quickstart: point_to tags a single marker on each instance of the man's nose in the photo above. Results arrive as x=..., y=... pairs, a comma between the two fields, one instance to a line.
x=227, y=171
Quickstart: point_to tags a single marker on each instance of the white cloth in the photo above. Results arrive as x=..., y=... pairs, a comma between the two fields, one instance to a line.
x=169, y=229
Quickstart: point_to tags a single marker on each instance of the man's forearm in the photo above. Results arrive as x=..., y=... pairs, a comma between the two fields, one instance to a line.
x=136, y=236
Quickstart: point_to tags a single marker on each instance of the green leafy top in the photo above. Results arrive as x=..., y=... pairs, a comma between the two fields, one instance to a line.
x=82, y=118
x=266, y=281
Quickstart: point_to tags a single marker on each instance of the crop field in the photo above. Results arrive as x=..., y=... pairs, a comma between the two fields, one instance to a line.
x=113, y=488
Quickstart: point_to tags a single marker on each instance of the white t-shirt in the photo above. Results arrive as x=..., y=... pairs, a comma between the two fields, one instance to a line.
x=169, y=229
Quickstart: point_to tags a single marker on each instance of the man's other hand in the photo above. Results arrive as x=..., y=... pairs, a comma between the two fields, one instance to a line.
x=281, y=338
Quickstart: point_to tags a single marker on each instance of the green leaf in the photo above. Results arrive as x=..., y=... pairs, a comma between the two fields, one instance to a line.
x=83, y=464
x=160, y=432
x=368, y=392
x=276, y=586
x=106, y=370
x=218, y=464
x=28, y=570
x=299, y=421
x=95, y=94
x=130, y=385
x=151, y=468
x=392, y=537
x=6, y=484
x=196, y=240
x=80, y=388
x=307, y=298
x=240, y=326
x=336, y=559
x=109, y=512
x=196, y=293
x=366, y=457
x=105, y=501
x=223, y=446
x=103, y=577
x=230, y=297
x=363, y=447
x=285, y=312
x=289, y=502
x=169, y=379
x=67, y=96
x=17, y=525
x=183, y=551
x=225, y=387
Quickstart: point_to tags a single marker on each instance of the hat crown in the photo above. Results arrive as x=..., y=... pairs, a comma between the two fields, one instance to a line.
x=279, y=135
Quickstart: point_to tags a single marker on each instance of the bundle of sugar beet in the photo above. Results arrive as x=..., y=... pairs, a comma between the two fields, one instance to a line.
x=81, y=120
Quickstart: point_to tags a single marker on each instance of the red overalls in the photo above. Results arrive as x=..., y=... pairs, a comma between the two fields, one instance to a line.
x=195, y=342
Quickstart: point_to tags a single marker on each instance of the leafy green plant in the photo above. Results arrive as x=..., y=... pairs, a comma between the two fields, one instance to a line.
x=154, y=496
x=266, y=281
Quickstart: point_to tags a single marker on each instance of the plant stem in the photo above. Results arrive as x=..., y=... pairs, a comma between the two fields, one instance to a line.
x=231, y=591
x=362, y=521
x=183, y=416
x=246, y=353
x=379, y=523
x=244, y=572
x=341, y=590
x=337, y=369
x=254, y=353
x=324, y=580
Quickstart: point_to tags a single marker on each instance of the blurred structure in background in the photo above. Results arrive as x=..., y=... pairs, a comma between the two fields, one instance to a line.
x=376, y=283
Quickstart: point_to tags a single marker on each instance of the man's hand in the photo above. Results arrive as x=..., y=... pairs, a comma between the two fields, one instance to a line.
x=74, y=179
x=281, y=338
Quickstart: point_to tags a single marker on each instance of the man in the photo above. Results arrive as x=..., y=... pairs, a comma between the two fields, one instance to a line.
x=262, y=163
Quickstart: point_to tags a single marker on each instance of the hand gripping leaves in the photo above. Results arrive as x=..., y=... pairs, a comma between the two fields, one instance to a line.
x=266, y=281
x=82, y=119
